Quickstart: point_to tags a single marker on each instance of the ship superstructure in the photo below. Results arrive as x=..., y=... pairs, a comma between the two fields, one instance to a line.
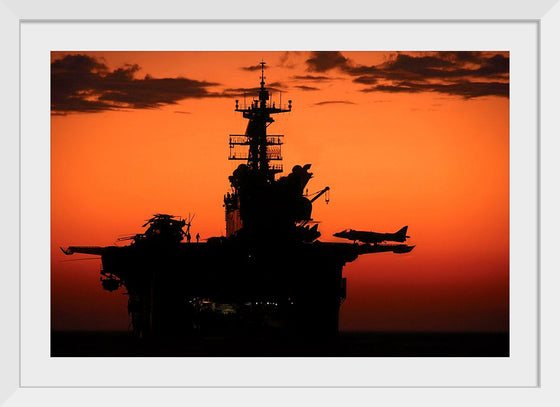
x=260, y=206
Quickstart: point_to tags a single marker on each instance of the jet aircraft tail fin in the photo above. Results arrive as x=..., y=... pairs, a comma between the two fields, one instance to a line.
x=401, y=234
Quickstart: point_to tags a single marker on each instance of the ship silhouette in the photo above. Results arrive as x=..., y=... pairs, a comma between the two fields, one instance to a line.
x=268, y=273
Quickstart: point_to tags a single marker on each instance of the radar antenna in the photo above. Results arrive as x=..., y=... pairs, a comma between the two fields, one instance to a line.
x=262, y=148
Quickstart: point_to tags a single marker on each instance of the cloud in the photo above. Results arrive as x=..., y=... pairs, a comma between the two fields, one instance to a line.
x=332, y=102
x=317, y=78
x=461, y=56
x=252, y=68
x=366, y=80
x=80, y=83
x=271, y=87
x=467, y=90
x=467, y=74
x=306, y=88
x=322, y=61
x=496, y=65
x=287, y=59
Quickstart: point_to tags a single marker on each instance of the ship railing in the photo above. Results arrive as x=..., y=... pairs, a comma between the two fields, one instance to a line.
x=276, y=168
x=274, y=150
x=233, y=155
x=238, y=139
x=274, y=156
x=274, y=140
x=235, y=139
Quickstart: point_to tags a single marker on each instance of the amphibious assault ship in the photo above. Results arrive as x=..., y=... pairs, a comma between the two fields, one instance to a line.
x=269, y=272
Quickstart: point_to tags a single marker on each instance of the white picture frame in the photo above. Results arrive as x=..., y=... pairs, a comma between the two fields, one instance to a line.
x=544, y=13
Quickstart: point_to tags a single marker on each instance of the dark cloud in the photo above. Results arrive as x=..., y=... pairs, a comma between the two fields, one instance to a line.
x=461, y=56
x=252, y=68
x=401, y=88
x=306, y=88
x=366, y=79
x=427, y=67
x=356, y=70
x=322, y=61
x=181, y=112
x=464, y=89
x=409, y=67
x=317, y=78
x=241, y=91
x=332, y=102
x=249, y=91
x=287, y=59
x=417, y=64
x=496, y=65
x=271, y=87
x=467, y=74
x=80, y=83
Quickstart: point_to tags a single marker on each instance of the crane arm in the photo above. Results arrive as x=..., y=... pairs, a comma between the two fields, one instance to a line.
x=319, y=194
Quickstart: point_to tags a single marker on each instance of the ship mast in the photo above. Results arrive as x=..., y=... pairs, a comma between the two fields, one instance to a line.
x=262, y=148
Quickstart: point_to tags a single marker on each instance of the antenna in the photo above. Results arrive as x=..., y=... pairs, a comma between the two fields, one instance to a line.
x=262, y=73
x=261, y=147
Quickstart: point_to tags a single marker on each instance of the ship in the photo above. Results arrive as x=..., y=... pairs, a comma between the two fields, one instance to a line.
x=268, y=273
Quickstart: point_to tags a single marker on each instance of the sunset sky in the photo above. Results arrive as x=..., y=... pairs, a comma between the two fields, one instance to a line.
x=401, y=138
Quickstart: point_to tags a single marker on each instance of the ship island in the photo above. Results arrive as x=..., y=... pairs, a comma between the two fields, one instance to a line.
x=270, y=274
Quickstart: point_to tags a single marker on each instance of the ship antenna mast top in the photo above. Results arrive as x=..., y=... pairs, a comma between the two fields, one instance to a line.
x=262, y=74
x=262, y=148
x=263, y=93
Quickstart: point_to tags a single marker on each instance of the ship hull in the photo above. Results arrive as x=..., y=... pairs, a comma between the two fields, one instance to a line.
x=294, y=288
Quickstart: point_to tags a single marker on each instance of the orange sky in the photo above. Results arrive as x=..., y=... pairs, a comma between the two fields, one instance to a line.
x=427, y=146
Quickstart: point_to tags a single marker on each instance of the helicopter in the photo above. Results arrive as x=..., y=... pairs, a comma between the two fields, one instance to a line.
x=163, y=228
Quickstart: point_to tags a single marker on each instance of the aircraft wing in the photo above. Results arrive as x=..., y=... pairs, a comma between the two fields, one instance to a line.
x=354, y=250
x=395, y=248
x=369, y=237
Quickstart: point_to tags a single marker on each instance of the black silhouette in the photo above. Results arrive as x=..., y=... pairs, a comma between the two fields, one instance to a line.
x=268, y=274
x=373, y=237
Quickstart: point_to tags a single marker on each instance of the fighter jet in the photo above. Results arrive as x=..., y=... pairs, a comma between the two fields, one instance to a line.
x=373, y=237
